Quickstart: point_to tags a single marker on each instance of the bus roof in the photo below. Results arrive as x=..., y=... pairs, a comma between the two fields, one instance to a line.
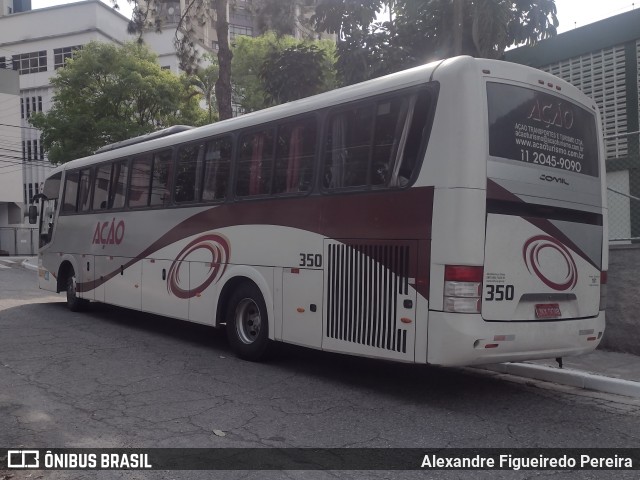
x=396, y=81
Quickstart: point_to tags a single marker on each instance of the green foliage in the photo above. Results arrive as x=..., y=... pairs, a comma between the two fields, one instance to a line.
x=293, y=73
x=424, y=30
x=258, y=59
x=204, y=83
x=109, y=93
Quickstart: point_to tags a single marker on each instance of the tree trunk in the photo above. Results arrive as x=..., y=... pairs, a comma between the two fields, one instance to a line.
x=458, y=13
x=223, y=84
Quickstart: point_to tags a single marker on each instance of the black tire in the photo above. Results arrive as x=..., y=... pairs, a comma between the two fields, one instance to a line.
x=248, y=323
x=74, y=303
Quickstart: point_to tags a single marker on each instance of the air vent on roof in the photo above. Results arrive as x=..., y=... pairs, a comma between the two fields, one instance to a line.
x=144, y=138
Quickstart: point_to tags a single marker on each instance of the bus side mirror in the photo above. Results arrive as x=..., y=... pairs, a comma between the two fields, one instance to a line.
x=33, y=214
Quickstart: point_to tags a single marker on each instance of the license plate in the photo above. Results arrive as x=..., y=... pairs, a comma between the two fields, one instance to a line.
x=548, y=310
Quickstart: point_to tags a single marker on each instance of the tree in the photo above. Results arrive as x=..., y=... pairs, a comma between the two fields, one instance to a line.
x=256, y=59
x=109, y=93
x=423, y=30
x=147, y=16
x=293, y=73
x=204, y=81
x=277, y=16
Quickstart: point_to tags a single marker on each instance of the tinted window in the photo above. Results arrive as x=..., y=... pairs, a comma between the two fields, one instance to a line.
x=295, y=152
x=140, y=181
x=255, y=163
x=101, y=187
x=118, y=187
x=217, y=163
x=187, y=184
x=70, y=191
x=420, y=110
x=84, y=190
x=378, y=143
x=161, y=178
x=348, y=147
x=541, y=129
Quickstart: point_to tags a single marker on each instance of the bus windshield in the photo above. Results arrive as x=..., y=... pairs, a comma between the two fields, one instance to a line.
x=51, y=192
x=537, y=128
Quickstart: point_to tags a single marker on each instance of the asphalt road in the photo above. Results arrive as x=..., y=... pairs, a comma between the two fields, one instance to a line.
x=116, y=378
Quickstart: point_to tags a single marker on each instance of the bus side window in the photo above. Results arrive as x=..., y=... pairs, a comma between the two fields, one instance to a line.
x=390, y=119
x=140, y=185
x=217, y=161
x=70, y=191
x=348, y=147
x=161, y=179
x=118, y=186
x=416, y=138
x=255, y=163
x=187, y=184
x=295, y=150
x=84, y=190
x=101, y=187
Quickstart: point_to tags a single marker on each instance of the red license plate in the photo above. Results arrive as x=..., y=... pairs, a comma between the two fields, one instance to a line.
x=548, y=310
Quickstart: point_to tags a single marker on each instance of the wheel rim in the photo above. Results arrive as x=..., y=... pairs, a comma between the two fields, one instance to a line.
x=248, y=321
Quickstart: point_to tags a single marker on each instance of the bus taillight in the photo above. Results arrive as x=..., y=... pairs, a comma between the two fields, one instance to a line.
x=462, y=289
x=603, y=290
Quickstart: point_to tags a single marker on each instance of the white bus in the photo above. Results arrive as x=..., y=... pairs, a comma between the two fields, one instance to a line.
x=451, y=214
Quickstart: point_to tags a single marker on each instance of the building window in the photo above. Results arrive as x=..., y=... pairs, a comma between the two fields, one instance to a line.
x=241, y=14
x=215, y=45
x=60, y=55
x=39, y=103
x=41, y=150
x=3, y=62
x=21, y=107
x=24, y=151
x=29, y=150
x=30, y=62
x=237, y=30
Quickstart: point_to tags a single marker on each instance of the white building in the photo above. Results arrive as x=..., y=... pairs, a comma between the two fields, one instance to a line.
x=10, y=153
x=36, y=43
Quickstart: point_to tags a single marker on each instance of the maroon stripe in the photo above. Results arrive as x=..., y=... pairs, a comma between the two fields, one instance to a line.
x=383, y=215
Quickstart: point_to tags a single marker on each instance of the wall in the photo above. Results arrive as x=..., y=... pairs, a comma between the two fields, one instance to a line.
x=10, y=143
x=623, y=301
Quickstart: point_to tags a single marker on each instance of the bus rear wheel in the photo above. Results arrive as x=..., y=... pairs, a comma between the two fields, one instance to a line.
x=74, y=303
x=248, y=323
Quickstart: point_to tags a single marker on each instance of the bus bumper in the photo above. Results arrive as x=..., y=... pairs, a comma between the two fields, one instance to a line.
x=456, y=339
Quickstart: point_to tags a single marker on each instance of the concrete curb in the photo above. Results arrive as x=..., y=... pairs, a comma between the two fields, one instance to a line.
x=565, y=376
x=29, y=266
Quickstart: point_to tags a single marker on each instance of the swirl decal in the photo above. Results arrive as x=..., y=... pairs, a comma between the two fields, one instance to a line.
x=531, y=254
x=217, y=246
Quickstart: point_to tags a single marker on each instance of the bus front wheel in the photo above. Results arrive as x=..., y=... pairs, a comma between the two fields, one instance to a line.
x=248, y=324
x=74, y=303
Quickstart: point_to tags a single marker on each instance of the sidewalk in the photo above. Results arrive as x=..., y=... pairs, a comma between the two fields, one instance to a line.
x=602, y=371
x=28, y=262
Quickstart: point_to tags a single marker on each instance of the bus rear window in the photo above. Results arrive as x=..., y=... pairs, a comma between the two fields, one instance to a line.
x=541, y=129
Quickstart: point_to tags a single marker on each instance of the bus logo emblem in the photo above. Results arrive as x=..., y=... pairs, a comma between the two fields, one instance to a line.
x=218, y=248
x=108, y=233
x=531, y=253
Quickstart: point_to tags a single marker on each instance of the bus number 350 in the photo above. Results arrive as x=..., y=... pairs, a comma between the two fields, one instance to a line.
x=499, y=293
x=310, y=260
